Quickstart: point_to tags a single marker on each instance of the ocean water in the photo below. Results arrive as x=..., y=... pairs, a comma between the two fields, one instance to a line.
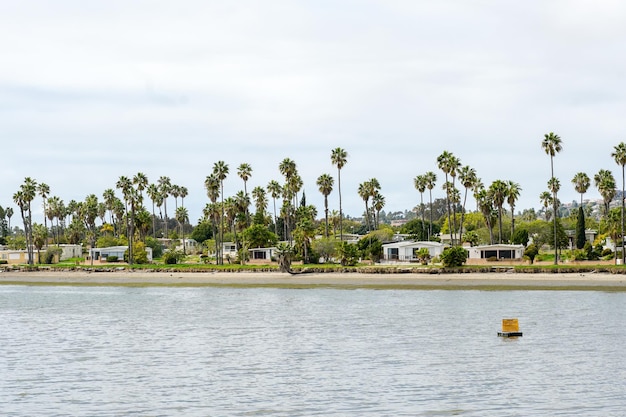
x=118, y=351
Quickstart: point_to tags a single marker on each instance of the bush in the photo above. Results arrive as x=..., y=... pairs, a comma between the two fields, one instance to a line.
x=349, y=254
x=531, y=252
x=172, y=257
x=49, y=255
x=3, y=262
x=454, y=256
x=111, y=258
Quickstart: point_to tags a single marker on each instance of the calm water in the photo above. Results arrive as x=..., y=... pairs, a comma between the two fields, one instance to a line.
x=278, y=352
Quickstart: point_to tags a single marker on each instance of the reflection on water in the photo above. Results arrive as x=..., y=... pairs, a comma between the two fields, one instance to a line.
x=282, y=352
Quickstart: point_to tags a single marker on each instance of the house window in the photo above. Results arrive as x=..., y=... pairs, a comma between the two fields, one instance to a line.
x=258, y=255
x=392, y=253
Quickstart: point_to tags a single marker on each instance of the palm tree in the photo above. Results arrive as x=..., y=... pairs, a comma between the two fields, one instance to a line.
x=605, y=182
x=260, y=202
x=546, y=201
x=244, y=171
x=498, y=191
x=44, y=190
x=339, y=158
x=220, y=170
x=212, y=186
x=23, y=198
x=9, y=214
x=619, y=155
x=141, y=182
x=365, y=195
x=419, y=182
x=484, y=200
x=581, y=184
x=275, y=191
x=182, y=217
x=445, y=163
x=153, y=194
x=430, y=178
x=325, y=184
x=551, y=144
x=512, y=197
x=165, y=186
x=468, y=178
x=378, y=202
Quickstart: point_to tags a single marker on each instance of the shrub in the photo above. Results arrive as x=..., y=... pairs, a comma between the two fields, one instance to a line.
x=111, y=258
x=349, y=254
x=172, y=257
x=3, y=262
x=454, y=256
x=50, y=254
x=531, y=252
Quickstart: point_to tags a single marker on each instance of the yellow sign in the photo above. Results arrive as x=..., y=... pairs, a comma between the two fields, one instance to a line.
x=510, y=325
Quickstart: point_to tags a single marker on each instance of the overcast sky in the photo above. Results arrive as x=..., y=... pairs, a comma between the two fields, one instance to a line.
x=93, y=90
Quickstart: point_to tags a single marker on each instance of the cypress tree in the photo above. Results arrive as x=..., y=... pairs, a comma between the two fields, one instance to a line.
x=580, y=229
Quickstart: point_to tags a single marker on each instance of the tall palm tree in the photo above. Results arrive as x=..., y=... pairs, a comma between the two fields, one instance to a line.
x=468, y=178
x=444, y=163
x=419, y=182
x=220, y=170
x=551, y=144
x=498, y=191
x=140, y=180
x=212, y=186
x=165, y=186
x=378, y=202
x=182, y=217
x=339, y=158
x=44, y=190
x=363, y=192
x=260, y=202
x=581, y=183
x=484, y=201
x=275, y=191
x=245, y=172
x=325, y=185
x=512, y=196
x=430, y=178
x=153, y=195
x=605, y=183
x=619, y=155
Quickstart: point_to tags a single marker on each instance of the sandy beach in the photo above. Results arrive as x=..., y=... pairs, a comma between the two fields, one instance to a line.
x=482, y=281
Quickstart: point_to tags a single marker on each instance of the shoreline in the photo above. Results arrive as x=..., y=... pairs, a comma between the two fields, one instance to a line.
x=504, y=281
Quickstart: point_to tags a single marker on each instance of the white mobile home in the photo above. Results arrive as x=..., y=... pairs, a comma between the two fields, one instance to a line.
x=406, y=251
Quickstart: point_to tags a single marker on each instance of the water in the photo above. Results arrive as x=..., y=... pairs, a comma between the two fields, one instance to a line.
x=119, y=351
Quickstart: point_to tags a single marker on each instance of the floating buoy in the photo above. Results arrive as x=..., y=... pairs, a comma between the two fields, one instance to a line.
x=510, y=328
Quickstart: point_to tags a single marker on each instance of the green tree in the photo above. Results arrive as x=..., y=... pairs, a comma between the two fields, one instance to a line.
x=468, y=178
x=454, y=256
x=605, y=183
x=619, y=155
x=259, y=236
x=430, y=178
x=325, y=185
x=499, y=191
x=580, y=229
x=551, y=144
x=512, y=196
x=339, y=158
x=220, y=170
x=40, y=238
x=445, y=162
x=419, y=182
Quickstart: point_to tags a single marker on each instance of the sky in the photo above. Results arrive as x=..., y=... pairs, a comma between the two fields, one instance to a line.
x=91, y=91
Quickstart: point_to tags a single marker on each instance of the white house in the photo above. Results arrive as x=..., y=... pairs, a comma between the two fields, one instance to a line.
x=406, y=251
x=501, y=251
x=101, y=254
x=262, y=254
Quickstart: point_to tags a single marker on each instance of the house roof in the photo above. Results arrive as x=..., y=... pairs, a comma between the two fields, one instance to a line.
x=498, y=246
x=409, y=243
